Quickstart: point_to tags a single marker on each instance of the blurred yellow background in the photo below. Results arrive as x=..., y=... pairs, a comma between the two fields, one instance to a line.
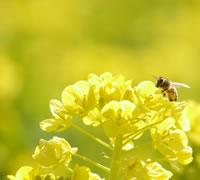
x=46, y=45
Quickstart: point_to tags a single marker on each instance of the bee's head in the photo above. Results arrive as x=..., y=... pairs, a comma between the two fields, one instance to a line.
x=160, y=81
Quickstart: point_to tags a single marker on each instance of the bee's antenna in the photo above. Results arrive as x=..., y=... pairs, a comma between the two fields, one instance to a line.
x=155, y=77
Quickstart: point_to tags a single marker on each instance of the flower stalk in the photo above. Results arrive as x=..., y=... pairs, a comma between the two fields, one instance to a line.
x=69, y=169
x=131, y=136
x=92, y=137
x=106, y=169
x=115, y=165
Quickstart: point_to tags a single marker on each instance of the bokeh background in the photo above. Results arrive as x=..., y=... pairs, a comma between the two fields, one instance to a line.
x=46, y=45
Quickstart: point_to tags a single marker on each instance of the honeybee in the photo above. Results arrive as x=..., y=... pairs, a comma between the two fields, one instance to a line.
x=168, y=87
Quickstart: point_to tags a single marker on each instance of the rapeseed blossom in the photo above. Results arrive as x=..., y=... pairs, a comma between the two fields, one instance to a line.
x=24, y=173
x=84, y=173
x=138, y=169
x=60, y=121
x=125, y=112
x=119, y=118
x=79, y=98
x=51, y=153
x=29, y=173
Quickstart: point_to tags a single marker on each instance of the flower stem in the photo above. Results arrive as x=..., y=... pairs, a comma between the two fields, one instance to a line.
x=134, y=134
x=92, y=137
x=115, y=166
x=69, y=169
x=92, y=162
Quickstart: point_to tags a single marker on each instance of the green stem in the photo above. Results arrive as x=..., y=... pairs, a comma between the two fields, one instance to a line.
x=115, y=166
x=92, y=137
x=92, y=162
x=134, y=134
x=69, y=169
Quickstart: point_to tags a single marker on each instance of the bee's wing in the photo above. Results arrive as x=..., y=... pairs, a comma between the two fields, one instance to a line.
x=178, y=85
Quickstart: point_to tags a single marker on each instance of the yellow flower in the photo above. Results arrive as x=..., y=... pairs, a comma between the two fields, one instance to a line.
x=138, y=169
x=184, y=156
x=53, y=152
x=119, y=118
x=156, y=172
x=172, y=142
x=110, y=88
x=80, y=98
x=148, y=97
x=24, y=173
x=146, y=89
x=61, y=120
x=84, y=173
x=179, y=110
x=168, y=136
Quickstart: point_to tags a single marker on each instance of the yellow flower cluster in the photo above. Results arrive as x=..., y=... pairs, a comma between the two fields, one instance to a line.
x=28, y=173
x=126, y=113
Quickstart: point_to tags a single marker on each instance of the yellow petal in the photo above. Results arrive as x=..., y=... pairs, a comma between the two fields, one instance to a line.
x=185, y=156
x=111, y=110
x=11, y=177
x=179, y=113
x=93, y=118
x=49, y=125
x=146, y=88
x=107, y=76
x=24, y=173
x=92, y=97
x=56, y=108
x=128, y=94
x=177, y=140
x=128, y=146
x=57, y=125
x=74, y=96
x=166, y=125
x=127, y=109
x=81, y=173
x=80, y=98
x=84, y=173
x=156, y=172
x=70, y=100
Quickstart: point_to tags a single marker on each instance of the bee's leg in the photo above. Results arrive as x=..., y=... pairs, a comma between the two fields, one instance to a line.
x=164, y=93
x=171, y=99
x=176, y=97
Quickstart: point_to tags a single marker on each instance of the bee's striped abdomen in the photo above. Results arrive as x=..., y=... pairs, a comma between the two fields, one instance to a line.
x=172, y=94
